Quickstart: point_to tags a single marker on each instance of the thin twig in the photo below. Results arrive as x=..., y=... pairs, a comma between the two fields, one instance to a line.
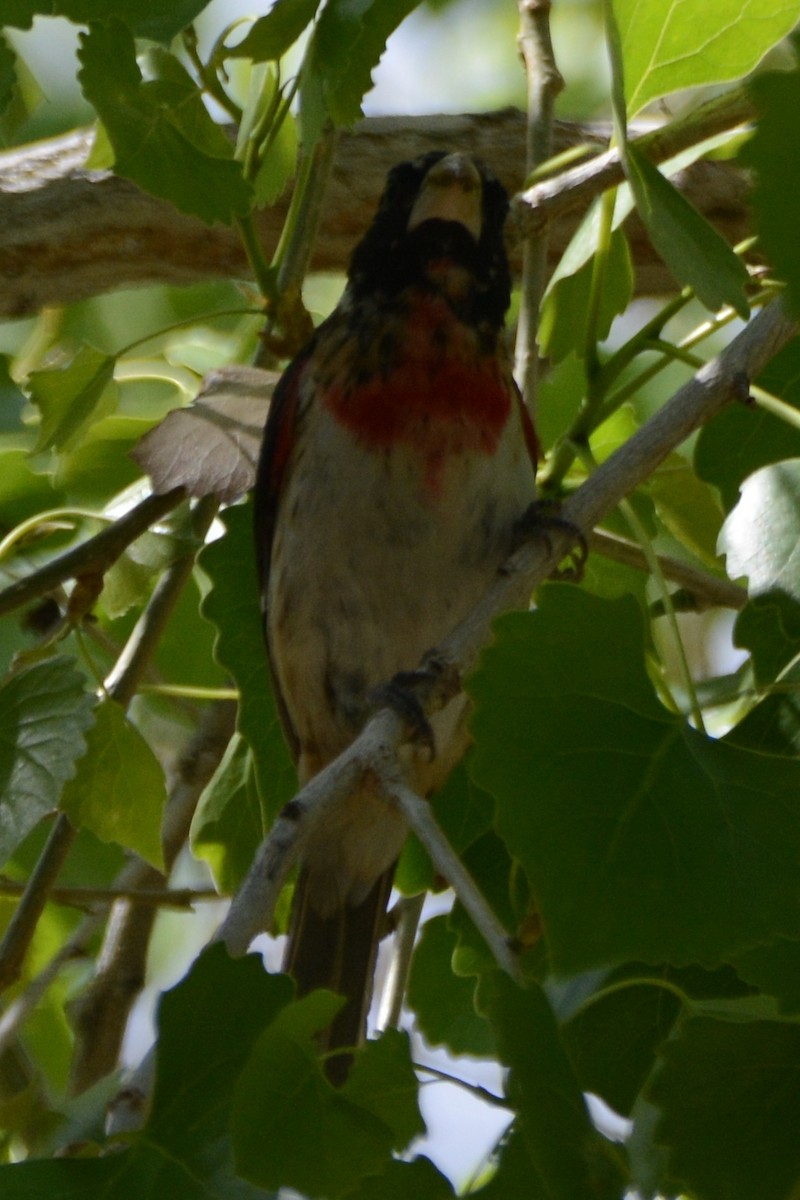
x=89, y=897
x=707, y=590
x=544, y=84
x=407, y=913
x=95, y=555
x=22, y=926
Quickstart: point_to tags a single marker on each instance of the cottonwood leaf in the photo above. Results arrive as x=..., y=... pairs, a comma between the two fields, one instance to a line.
x=146, y=18
x=693, y=250
x=70, y=398
x=774, y=154
x=557, y=1132
x=311, y=1136
x=229, y=823
x=271, y=36
x=211, y=447
x=118, y=791
x=401, y=1180
x=761, y=537
x=45, y=712
x=635, y=831
x=347, y=44
x=665, y=47
x=443, y=1002
x=153, y=145
x=232, y=605
x=730, y=1108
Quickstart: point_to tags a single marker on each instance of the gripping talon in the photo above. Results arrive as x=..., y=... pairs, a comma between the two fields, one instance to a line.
x=398, y=694
x=537, y=521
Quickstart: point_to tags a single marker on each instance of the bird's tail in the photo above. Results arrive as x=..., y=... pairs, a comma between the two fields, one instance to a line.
x=339, y=953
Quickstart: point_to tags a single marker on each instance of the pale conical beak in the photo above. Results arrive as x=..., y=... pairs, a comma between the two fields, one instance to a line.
x=451, y=191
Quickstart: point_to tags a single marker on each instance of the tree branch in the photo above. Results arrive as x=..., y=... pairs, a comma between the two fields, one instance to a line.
x=67, y=233
x=714, y=387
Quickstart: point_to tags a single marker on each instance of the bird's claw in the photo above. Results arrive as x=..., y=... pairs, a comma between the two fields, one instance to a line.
x=538, y=521
x=399, y=694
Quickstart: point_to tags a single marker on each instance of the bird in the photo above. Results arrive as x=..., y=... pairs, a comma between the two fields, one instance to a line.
x=397, y=462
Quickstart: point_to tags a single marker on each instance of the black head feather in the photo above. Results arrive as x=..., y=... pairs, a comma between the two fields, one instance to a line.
x=390, y=257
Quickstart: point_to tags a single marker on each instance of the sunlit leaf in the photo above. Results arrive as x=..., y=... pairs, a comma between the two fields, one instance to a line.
x=118, y=791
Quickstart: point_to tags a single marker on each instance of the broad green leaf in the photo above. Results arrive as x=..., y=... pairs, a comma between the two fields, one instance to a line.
x=118, y=791
x=515, y=1174
x=612, y=1042
x=666, y=46
x=382, y=1082
x=774, y=155
x=233, y=607
x=293, y=1129
x=146, y=18
x=543, y=1088
x=149, y=136
x=347, y=43
x=443, y=1002
x=635, y=830
x=169, y=87
x=745, y=437
x=20, y=94
x=23, y=491
x=130, y=579
x=761, y=534
x=692, y=249
x=271, y=36
x=775, y=970
x=71, y=398
x=418, y=1179
x=45, y=712
x=228, y=823
x=769, y=628
x=563, y=327
x=279, y=159
x=688, y=507
x=208, y=1026
x=730, y=1109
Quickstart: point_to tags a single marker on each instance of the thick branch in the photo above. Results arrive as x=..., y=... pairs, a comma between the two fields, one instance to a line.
x=67, y=233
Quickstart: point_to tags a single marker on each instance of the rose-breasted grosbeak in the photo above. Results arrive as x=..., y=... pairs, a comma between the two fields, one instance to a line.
x=397, y=459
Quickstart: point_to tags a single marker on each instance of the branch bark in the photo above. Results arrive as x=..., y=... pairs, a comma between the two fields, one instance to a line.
x=67, y=233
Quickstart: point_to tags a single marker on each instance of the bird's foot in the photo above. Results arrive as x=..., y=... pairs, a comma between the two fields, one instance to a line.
x=540, y=519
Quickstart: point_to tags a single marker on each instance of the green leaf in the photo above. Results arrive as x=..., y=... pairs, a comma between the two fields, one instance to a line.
x=774, y=155
x=118, y=791
x=612, y=1040
x=730, y=1109
x=745, y=437
x=308, y=1135
x=635, y=830
x=382, y=1082
x=688, y=507
x=347, y=43
x=563, y=327
x=271, y=36
x=760, y=536
x=667, y=48
x=775, y=970
x=232, y=606
x=443, y=1002
x=71, y=398
x=146, y=18
x=693, y=250
x=402, y=1180
x=228, y=823
x=769, y=627
x=44, y=714
x=155, y=142
x=553, y=1119
x=208, y=1026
